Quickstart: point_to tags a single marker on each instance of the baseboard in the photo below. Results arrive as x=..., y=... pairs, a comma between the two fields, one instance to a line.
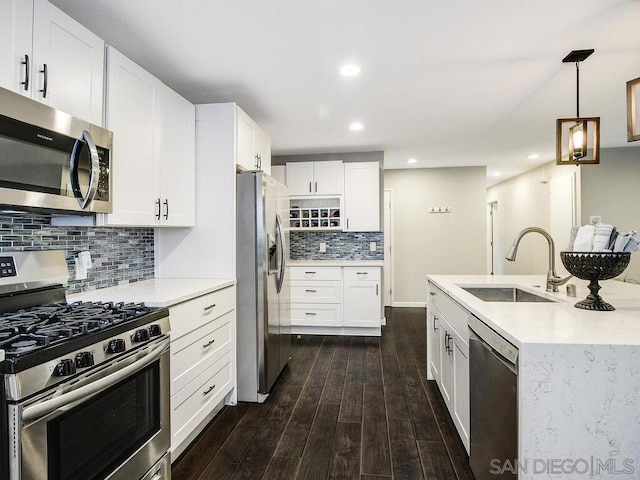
x=409, y=304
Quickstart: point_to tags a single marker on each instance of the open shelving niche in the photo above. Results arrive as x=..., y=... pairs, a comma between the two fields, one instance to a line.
x=317, y=213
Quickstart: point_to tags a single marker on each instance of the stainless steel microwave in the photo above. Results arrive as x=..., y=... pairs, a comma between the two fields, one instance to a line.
x=50, y=160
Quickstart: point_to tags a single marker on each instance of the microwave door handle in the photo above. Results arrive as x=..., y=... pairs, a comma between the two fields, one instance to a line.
x=41, y=409
x=74, y=169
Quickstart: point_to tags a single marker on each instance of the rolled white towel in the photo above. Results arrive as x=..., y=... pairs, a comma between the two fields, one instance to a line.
x=602, y=237
x=633, y=242
x=584, y=239
x=572, y=237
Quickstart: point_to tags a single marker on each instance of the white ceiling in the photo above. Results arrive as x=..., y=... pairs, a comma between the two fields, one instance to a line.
x=448, y=82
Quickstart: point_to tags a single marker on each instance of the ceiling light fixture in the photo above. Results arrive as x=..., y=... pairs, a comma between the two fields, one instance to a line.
x=350, y=70
x=412, y=160
x=356, y=126
x=577, y=139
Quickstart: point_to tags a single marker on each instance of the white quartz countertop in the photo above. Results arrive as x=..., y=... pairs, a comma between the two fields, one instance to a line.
x=556, y=322
x=158, y=292
x=336, y=263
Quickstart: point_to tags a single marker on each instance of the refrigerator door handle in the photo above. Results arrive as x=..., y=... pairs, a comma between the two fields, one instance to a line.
x=281, y=253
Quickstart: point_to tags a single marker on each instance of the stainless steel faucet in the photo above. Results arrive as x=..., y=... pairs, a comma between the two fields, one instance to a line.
x=553, y=280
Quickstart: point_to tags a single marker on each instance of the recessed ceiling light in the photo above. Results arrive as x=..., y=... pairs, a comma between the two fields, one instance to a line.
x=497, y=174
x=412, y=160
x=356, y=126
x=350, y=70
x=533, y=156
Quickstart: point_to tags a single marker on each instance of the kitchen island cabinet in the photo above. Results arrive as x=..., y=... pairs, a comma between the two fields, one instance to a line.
x=203, y=346
x=578, y=372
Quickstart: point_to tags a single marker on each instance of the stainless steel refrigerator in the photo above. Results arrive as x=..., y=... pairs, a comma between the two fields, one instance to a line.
x=263, y=298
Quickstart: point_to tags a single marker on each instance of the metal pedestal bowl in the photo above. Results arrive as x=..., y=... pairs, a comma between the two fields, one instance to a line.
x=595, y=266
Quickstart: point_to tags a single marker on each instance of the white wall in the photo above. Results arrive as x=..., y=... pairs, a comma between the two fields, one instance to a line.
x=525, y=201
x=427, y=243
x=610, y=189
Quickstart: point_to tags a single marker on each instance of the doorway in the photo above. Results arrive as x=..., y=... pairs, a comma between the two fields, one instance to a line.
x=388, y=255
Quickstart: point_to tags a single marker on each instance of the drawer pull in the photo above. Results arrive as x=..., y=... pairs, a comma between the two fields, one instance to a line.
x=206, y=309
x=209, y=343
x=310, y=291
x=433, y=294
x=310, y=313
x=209, y=390
x=310, y=273
x=362, y=273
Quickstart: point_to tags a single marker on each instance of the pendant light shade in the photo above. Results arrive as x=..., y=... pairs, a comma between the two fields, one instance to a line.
x=577, y=139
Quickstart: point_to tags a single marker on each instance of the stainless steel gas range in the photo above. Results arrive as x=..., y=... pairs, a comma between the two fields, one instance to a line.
x=84, y=391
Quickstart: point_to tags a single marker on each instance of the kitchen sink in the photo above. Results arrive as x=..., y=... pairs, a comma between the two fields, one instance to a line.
x=504, y=294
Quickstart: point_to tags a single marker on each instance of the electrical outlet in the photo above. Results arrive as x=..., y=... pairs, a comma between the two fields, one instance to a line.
x=372, y=246
x=323, y=247
x=595, y=219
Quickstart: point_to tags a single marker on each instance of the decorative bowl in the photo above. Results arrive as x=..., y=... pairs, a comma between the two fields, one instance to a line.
x=595, y=266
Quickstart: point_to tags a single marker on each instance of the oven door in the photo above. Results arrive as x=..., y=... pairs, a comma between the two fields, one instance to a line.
x=112, y=424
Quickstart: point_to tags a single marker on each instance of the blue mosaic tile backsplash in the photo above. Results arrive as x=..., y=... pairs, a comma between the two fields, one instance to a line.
x=119, y=255
x=340, y=245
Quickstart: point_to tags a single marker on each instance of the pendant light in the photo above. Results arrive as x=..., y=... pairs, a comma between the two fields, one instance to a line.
x=577, y=139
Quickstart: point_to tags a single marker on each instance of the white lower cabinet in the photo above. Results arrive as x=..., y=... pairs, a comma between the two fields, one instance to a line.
x=336, y=300
x=448, y=356
x=203, y=363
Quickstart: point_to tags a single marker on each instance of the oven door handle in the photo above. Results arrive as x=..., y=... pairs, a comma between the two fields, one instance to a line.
x=41, y=409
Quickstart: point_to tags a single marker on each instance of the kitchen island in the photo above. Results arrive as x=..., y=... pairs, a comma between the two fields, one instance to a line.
x=578, y=375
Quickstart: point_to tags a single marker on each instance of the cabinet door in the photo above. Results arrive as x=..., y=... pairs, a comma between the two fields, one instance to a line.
x=328, y=178
x=361, y=304
x=461, y=388
x=245, y=152
x=433, y=343
x=133, y=97
x=300, y=178
x=16, y=17
x=446, y=362
x=362, y=197
x=74, y=59
x=178, y=158
x=262, y=144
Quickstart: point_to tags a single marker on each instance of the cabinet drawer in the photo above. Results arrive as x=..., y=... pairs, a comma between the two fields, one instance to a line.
x=315, y=273
x=316, y=292
x=194, y=402
x=362, y=273
x=192, y=314
x=194, y=352
x=311, y=315
x=456, y=315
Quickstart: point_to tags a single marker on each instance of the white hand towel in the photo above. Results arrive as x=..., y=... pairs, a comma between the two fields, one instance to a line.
x=601, y=237
x=584, y=239
x=634, y=241
x=621, y=242
x=572, y=237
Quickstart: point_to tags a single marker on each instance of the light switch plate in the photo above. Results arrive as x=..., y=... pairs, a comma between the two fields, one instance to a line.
x=595, y=219
x=372, y=246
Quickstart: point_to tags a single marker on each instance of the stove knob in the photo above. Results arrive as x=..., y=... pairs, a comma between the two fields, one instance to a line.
x=141, y=335
x=116, y=346
x=84, y=359
x=65, y=368
x=155, y=330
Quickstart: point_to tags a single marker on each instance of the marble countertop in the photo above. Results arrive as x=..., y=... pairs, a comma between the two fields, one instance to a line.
x=557, y=322
x=336, y=263
x=158, y=292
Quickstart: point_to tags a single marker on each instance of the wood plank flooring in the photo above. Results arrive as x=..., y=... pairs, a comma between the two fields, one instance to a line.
x=344, y=408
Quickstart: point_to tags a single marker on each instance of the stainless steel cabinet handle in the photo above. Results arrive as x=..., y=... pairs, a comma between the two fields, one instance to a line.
x=310, y=273
x=435, y=319
x=26, y=72
x=316, y=187
x=209, y=307
x=309, y=187
x=362, y=273
x=158, y=205
x=433, y=294
x=166, y=209
x=310, y=291
x=376, y=289
x=209, y=390
x=45, y=73
x=208, y=344
x=446, y=341
x=310, y=313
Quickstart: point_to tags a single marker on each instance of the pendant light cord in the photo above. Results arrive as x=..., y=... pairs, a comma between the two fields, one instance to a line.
x=577, y=89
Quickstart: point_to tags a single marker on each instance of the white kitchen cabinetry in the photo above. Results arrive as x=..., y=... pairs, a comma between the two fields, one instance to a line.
x=315, y=178
x=335, y=300
x=254, y=144
x=362, y=300
x=203, y=363
x=448, y=356
x=153, y=148
x=362, y=197
x=48, y=56
x=315, y=213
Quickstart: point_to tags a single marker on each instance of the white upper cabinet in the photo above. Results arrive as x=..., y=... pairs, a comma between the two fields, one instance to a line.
x=362, y=197
x=254, y=145
x=315, y=178
x=48, y=56
x=153, y=148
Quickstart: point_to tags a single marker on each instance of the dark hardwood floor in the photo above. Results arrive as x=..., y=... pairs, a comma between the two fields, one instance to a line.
x=345, y=408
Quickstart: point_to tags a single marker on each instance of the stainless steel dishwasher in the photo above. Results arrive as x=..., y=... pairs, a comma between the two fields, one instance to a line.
x=493, y=384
